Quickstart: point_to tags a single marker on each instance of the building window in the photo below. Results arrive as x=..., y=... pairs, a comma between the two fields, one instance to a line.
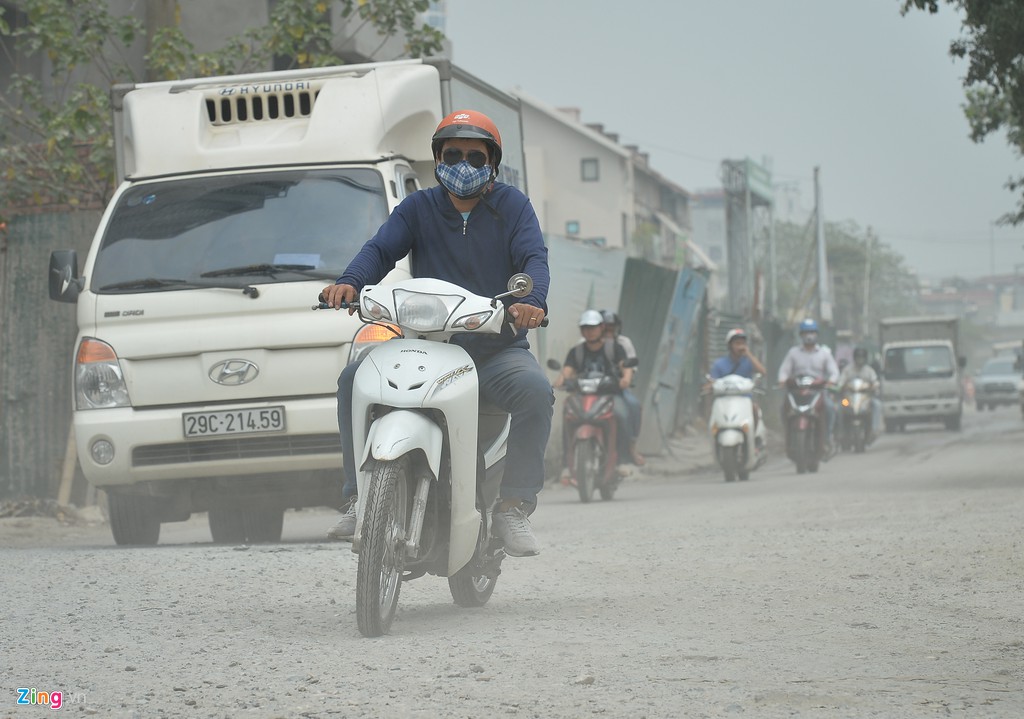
x=589, y=169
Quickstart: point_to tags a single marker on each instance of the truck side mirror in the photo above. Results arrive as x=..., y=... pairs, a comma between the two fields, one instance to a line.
x=961, y=361
x=64, y=282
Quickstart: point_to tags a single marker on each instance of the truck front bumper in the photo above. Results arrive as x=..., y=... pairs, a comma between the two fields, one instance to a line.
x=150, y=446
x=921, y=409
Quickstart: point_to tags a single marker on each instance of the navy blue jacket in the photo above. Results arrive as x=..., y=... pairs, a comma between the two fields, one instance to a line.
x=500, y=238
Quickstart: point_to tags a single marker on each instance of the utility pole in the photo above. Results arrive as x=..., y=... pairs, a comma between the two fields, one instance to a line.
x=992, y=249
x=867, y=284
x=824, y=294
x=773, y=292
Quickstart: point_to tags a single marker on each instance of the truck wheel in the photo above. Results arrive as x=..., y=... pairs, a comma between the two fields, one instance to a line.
x=891, y=426
x=953, y=423
x=133, y=519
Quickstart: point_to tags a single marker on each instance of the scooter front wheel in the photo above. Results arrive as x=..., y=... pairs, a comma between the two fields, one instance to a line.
x=586, y=468
x=382, y=555
x=730, y=457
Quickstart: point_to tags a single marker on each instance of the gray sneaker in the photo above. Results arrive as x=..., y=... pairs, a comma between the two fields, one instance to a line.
x=512, y=527
x=346, y=526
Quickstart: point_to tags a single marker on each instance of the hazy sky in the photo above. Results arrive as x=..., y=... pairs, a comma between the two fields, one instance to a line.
x=868, y=95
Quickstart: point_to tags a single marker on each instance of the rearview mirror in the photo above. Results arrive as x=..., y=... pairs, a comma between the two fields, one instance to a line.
x=64, y=282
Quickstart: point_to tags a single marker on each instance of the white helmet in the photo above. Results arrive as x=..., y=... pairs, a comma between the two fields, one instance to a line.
x=590, y=318
x=733, y=334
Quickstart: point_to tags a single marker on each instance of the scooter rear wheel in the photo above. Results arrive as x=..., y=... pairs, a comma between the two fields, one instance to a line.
x=382, y=554
x=469, y=590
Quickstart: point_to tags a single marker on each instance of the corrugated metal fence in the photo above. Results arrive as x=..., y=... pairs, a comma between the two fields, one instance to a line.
x=663, y=312
x=37, y=337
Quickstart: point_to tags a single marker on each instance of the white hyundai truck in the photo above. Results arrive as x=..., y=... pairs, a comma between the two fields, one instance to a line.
x=921, y=371
x=202, y=380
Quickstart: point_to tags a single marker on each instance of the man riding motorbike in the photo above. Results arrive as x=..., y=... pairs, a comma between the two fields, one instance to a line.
x=860, y=369
x=739, y=361
x=596, y=355
x=475, y=232
x=810, y=358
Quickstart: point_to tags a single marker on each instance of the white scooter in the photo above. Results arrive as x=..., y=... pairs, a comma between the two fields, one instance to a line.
x=430, y=459
x=739, y=437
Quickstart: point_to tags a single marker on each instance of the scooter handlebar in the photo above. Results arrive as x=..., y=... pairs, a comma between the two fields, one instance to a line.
x=512, y=320
x=321, y=305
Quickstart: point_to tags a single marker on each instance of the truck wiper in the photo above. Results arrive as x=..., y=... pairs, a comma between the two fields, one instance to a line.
x=146, y=283
x=269, y=270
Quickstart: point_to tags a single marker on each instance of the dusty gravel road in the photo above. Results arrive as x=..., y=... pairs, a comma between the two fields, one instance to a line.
x=888, y=585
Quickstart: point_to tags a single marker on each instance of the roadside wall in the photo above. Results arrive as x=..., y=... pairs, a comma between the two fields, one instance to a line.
x=37, y=338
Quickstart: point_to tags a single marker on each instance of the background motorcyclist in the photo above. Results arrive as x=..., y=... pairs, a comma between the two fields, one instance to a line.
x=860, y=369
x=596, y=356
x=739, y=361
x=613, y=331
x=810, y=358
x=475, y=232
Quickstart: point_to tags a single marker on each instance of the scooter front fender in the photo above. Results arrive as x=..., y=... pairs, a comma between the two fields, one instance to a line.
x=589, y=431
x=730, y=437
x=401, y=431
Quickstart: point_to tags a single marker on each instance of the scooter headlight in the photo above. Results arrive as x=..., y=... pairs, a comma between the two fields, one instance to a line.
x=424, y=313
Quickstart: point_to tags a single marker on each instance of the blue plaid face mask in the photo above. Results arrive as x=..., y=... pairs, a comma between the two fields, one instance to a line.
x=462, y=179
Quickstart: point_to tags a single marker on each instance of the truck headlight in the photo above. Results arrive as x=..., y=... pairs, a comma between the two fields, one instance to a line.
x=99, y=381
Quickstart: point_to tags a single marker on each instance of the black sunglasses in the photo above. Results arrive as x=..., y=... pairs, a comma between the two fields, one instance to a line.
x=453, y=156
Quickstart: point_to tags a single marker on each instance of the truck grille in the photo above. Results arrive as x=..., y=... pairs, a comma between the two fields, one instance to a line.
x=999, y=387
x=236, y=448
x=277, y=101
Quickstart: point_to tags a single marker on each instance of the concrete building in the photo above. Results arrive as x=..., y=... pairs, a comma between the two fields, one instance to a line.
x=581, y=182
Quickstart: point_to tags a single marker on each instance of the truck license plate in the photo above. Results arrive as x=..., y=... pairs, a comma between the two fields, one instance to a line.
x=233, y=421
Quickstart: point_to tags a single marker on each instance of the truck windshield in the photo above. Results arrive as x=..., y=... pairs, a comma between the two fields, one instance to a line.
x=918, y=362
x=999, y=366
x=265, y=227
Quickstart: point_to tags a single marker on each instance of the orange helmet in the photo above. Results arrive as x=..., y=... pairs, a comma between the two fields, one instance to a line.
x=470, y=125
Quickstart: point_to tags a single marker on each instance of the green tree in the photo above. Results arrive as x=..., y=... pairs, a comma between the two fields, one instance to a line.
x=56, y=145
x=857, y=261
x=993, y=44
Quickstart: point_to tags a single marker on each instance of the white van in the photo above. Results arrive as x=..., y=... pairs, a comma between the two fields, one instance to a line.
x=202, y=379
